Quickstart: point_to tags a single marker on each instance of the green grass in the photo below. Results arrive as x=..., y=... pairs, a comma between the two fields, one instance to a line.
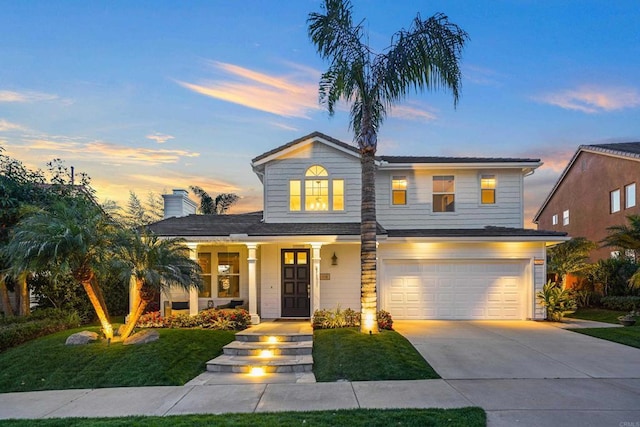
x=470, y=417
x=347, y=354
x=597, y=314
x=628, y=335
x=48, y=364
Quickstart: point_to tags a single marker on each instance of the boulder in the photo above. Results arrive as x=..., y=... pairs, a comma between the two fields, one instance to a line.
x=81, y=338
x=142, y=337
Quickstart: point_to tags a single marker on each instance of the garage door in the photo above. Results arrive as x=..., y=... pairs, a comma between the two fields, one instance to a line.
x=470, y=289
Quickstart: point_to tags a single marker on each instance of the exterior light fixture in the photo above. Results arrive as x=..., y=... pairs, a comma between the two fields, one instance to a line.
x=334, y=259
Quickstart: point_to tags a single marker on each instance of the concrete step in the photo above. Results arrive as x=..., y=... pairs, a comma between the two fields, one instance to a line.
x=257, y=348
x=244, y=364
x=249, y=336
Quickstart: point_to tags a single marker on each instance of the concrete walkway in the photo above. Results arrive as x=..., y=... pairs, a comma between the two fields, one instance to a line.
x=597, y=383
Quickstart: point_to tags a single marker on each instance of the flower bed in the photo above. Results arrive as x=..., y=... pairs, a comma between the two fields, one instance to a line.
x=347, y=318
x=223, y=319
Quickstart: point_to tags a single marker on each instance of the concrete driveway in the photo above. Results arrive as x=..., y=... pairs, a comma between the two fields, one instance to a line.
x=516, y=349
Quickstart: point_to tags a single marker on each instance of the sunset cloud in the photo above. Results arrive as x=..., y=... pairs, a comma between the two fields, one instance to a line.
x=28, y=96
x=160, y=138
x=294, y=95
x=407, y=112
x=8, y=126
x=593, y=99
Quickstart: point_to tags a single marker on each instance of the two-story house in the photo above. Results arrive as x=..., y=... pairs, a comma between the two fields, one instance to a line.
x=597, y=189
x=450, y=238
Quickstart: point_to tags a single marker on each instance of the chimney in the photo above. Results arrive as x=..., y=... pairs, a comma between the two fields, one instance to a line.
x=178, y=204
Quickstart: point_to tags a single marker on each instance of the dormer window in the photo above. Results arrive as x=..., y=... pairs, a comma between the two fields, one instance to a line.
x=317, y=192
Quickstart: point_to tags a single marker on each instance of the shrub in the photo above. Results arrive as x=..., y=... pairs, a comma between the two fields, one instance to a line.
x=347, y=318
x=556, y=300
x=218, y=319
x=628, y=303
x=34, y=326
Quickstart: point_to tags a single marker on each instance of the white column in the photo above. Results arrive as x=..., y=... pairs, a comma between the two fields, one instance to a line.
x=193, y=292
x=253, y=283
x=315, y=277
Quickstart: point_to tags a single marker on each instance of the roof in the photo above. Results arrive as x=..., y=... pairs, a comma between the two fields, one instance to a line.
x=251, y=225
x=629, y=150
x=312, y=135
x=438, y=159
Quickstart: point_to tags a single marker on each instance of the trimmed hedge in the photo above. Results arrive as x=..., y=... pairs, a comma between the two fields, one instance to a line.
x=347, y=318
x=227, y=319
x=18, y=330
x=627, y=303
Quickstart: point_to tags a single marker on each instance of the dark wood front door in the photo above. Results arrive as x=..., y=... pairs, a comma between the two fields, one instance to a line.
x=295, y=283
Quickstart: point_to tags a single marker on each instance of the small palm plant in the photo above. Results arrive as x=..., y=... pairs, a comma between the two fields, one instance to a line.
x=156, y=265
x=557, y=301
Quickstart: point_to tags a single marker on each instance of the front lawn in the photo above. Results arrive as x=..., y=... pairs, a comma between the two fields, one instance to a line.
x=48, y=364
x=347, y=354
x=628, y=335
x=470, y=417
x=597, y=314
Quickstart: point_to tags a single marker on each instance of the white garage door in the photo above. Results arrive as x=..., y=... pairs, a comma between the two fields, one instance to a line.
x=469, y=289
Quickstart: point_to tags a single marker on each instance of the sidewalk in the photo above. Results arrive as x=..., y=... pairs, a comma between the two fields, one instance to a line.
x=567, y=402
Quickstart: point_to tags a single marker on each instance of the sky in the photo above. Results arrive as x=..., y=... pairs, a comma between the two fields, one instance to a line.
x=155, y=95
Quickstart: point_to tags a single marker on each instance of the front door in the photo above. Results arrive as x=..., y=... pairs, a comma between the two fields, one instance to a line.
x=295, y=283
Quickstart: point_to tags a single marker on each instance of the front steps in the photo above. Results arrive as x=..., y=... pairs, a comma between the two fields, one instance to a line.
x=269, y=349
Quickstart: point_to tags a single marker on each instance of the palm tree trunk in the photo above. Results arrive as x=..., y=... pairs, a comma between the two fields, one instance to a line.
x=98, y=306
x=138, y=308
x=7, y=309
x=24, y=307
x=368, y=293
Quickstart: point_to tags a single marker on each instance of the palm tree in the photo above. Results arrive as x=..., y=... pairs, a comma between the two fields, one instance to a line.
x=424, y=57
x=73, y=236
x=156, y=265
x=570, y=257
x=627, y=238
x=218, y=206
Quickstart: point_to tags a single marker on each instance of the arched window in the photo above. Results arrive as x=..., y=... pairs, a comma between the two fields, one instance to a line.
x=316, y=192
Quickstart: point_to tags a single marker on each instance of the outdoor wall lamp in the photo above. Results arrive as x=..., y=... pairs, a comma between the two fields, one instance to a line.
x=334, y=259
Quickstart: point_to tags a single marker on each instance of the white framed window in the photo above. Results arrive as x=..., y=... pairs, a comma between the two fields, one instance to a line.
x=228, y=275
x=444, y=193
x=629, y=195
x=554, y=219
x=565, y=217
x=614, y=196
x=399, y=190
x=204, y=259
x=316, y=192
x=488, y=189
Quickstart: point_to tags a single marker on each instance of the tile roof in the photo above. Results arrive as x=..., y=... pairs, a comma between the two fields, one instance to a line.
x=628, y=149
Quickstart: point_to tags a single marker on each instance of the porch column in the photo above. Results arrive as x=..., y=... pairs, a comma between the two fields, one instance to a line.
x=315, y=277
x=253, y=283
x=193, y=292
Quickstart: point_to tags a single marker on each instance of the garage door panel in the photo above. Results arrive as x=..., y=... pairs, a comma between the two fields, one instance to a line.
x=420, y=289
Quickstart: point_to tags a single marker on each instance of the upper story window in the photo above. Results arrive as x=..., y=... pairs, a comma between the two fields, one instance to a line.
x=443, y=193
x=615, y=200
x=399, y=190
x=554, y=219
x=565, y=217
x=317, y=191
x=629, y=195
x=488, y=189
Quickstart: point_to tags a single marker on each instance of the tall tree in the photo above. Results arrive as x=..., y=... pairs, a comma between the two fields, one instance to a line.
x=570, y=257
x=425, y=57
x=71, y=237
x=626, y=238
x=218, y=206
x=155, y=264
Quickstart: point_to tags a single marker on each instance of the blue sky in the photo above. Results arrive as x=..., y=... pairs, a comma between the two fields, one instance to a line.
x=151, y=96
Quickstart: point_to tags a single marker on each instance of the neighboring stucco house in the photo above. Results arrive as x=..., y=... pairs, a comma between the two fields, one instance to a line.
x=451, y=242
x=597, y=189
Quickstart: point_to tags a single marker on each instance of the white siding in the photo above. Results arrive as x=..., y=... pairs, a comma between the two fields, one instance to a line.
x=469, y=212
x=270, y=281
x=279, y=172
x=343, y=287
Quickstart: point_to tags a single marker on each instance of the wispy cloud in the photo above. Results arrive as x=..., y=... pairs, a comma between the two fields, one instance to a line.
x=8, y=126
x=108, y=152
x=408, y=112
x=593, y=99
x=293, y=95
x=160, y=138
x=27, y=96
x=172, y=179
x=482, y=76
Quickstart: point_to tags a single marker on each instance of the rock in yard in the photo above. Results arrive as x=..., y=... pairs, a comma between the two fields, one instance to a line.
x=81, y=338
x=142, y=337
